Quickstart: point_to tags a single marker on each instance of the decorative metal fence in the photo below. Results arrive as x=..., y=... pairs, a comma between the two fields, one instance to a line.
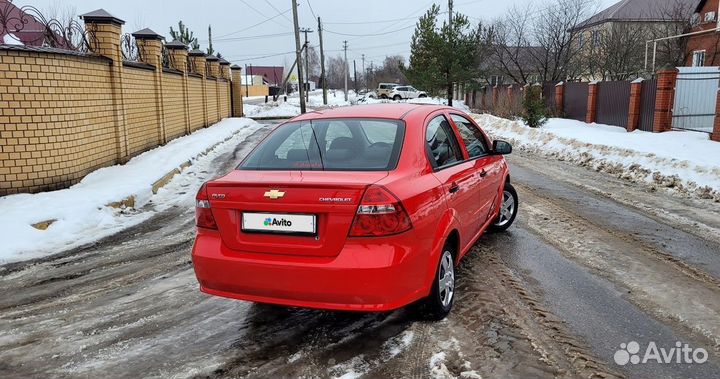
x=612, y=103
x=575, y=101
x=695, y=98
x=28, y=26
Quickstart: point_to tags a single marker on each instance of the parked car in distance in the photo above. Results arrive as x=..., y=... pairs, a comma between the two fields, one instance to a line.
x=364, y=208
x=406, y=92
x=384, y=89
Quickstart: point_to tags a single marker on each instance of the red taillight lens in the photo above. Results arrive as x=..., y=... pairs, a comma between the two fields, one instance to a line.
x=380, y=213
x=203, y=215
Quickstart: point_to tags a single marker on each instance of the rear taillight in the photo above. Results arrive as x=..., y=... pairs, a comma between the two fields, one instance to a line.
x=203, y=214
x=380, y=213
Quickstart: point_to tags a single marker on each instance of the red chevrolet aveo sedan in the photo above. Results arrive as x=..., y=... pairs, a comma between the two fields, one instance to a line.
x=365, y=208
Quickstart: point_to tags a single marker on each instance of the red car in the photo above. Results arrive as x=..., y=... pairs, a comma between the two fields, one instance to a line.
x=365, y=208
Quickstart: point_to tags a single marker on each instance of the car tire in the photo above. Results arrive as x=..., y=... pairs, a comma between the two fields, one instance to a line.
x=508, y=209
x=442, y=295
x=422, y=96
x=383, y=96
x=397, y=98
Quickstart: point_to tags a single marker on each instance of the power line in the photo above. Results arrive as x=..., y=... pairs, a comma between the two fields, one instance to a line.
x=254, y=25
x=278, y=11
x=371, y=34
x=260, y=13
x=311, y=9
x=248, y=38
x=238, y=57
x=372, y=22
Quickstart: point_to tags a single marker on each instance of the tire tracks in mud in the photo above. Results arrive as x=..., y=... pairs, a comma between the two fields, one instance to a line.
x=655, y=280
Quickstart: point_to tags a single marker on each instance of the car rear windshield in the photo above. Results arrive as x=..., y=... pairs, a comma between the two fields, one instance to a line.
x=332, y=145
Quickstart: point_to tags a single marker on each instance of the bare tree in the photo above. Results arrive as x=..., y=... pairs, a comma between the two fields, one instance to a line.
x=615, y=53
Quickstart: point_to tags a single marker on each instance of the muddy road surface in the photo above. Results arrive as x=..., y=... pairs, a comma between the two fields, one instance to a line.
x=592, y=264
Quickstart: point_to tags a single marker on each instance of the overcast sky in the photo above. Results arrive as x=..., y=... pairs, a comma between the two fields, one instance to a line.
x=271, y=42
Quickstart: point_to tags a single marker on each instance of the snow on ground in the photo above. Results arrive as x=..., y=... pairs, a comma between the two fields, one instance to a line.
x=271, y=109
x=687, y=162
x=80, y=211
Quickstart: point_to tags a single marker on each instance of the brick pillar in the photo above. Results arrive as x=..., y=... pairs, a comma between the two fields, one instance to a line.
x=107, y=29
x=224, y=71
x=664, y=100
x=198, y=59
x=634, y=110
x=150, y=46
x=510, y=96
x=178, y=60
x=559, y=98
x=715, y=136
x=236, y=91
x=591, y=114
x=213, y=65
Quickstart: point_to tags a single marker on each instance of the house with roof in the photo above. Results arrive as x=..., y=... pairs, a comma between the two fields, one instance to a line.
x=625, y=28
x=18, y=27
x=272, y=75
x=703, y=41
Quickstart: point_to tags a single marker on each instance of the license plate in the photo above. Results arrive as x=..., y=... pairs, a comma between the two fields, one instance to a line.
x=279, y=223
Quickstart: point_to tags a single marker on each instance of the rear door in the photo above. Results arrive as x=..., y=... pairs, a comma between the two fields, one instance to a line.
x=488, y=167
x=456, y=174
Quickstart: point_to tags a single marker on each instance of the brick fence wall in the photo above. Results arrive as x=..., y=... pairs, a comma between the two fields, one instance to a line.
x=64, y=114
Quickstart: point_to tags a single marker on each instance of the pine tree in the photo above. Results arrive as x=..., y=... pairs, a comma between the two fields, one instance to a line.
x=184, y=35
x=534, y=114
x=441, y=56
x=210, y=49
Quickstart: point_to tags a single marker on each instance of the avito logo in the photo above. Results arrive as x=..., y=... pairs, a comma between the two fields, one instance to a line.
x=271, y=221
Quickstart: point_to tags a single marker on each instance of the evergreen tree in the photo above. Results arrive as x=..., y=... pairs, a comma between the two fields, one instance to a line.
x=210, y=49
x=184, y=35
x=441, y=56
x=534, y=114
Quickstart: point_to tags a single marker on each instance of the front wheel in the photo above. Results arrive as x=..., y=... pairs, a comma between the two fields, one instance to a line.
x=508, y=209
x=440, y=302
x=422, y=96
x=397, y=98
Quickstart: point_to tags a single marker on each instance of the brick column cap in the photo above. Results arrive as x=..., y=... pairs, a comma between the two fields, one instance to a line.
x=594, y=82
x=176, y=45
x=101, y=16
x=235, y=67
x=638, y=80
x=223, y=62
x=146, y=33
x=196, y=53
x=211, y=58
x=560, y=84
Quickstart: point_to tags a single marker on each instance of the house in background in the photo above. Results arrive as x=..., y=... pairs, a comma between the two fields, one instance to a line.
x=273, y=75
x=612, y=42
x=26, y=31
x=703, y=44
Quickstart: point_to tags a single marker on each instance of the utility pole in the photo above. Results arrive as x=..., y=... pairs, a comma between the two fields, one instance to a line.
x=298, y=57
x=372, y=73
x=364, y=73
x=345, y=69
x=355, y=76
x=323, y=81
x=450, y=27
x=307, y=63
x=246, y=82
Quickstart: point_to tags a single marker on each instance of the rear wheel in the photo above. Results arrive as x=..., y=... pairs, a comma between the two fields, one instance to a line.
x=422, y=96
x=397, y=97
x=383, y=96
x=508, y=209
x=440, y=302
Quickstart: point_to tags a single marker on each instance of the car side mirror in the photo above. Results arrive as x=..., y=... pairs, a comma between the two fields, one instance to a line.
x=501, y=147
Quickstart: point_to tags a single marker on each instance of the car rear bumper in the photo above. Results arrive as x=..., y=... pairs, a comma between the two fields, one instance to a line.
x=380, y=276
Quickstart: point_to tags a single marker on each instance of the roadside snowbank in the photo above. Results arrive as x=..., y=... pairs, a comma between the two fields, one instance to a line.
x=686, y=162
x=81, y=213
x=271, y=109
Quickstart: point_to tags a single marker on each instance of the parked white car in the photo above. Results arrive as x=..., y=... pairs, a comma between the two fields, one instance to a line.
x=406, y=92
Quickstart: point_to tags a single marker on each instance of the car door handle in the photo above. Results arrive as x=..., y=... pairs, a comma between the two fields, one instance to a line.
x=483, y=173
x=454, y=188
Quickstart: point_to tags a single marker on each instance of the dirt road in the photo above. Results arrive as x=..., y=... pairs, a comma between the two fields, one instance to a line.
x=592, y=263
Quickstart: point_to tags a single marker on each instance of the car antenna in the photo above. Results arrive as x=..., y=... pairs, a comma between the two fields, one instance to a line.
x=322, y=164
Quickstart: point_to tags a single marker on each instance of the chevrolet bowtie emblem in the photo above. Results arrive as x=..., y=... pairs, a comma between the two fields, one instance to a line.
x=274, y=194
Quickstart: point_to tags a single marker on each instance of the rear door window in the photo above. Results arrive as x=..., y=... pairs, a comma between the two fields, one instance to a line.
x=338, y=144
x=442, y=145
x=472, y=136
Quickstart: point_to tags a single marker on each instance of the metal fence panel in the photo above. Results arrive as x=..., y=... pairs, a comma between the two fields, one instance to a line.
x=647, y=104
x=548, y=94
x=575, y=101
x=695, y=98
x=613, y=103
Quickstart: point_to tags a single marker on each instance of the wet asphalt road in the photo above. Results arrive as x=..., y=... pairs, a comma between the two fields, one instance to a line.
x=592, y=262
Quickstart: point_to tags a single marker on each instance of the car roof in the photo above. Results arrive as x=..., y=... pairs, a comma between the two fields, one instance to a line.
x=396, y=111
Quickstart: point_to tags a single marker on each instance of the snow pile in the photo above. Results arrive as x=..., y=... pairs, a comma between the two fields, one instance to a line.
x=459, y=104
x=271, y=109
x=687, y=162
x=81, y=213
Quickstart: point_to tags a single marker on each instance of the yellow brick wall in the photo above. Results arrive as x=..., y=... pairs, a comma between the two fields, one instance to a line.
x=56, y=119
x=141, y=118
x=212, y=106
x=224, y=89
x=59, y=119
x=173, y=99
x=196, y=102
